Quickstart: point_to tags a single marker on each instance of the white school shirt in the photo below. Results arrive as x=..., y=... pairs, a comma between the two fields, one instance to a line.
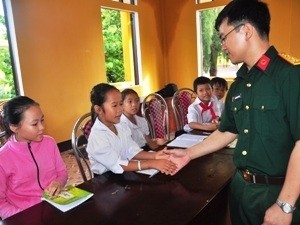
x=220, y=102
x=108, y=151
x=194, y=113
x=138, y=130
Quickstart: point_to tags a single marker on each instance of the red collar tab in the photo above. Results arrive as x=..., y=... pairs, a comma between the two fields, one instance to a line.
x=263, y=62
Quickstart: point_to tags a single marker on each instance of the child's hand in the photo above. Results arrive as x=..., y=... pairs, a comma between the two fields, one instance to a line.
x=161, y=154
x=164, y=166
x=216, y=120
x=54, y=188
x=212, y=126
x=160, y=141
x=179, y=157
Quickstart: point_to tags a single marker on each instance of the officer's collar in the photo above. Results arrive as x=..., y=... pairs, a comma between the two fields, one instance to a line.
x=263, y=64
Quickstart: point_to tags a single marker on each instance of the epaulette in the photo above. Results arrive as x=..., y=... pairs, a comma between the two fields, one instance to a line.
x=290, y=58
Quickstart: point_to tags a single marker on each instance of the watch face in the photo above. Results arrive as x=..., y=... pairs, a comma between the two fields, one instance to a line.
x=286, y=208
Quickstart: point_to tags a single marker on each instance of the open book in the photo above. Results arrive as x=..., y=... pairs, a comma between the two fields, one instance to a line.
x=186, y=140
x=69, y=198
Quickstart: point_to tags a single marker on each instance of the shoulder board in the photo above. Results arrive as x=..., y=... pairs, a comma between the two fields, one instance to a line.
x=290, y=58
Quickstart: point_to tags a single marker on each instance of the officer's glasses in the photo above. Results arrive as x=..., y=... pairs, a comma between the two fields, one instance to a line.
x=223, y=39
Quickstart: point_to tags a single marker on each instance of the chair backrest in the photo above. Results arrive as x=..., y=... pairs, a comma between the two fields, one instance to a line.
x=80, y=133
x=2, y=137
x=155, y=111
x=180, y=103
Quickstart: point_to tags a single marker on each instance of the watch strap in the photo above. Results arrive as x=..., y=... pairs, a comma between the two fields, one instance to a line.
x=283, y=204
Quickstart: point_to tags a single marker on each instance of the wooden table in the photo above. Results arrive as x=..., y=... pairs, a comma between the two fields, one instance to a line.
x=195, y=195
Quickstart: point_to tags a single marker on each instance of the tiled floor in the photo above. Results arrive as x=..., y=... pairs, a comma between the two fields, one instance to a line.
x=72, y=167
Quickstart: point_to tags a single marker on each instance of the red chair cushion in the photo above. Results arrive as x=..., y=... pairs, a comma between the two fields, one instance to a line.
x=155, y=108
x=184, y=100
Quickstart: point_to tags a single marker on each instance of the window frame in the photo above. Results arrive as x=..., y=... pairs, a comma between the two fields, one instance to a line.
x=203, y=1
x=132, y=2
x=13, y=47
x=136, y=77
x=202, y=7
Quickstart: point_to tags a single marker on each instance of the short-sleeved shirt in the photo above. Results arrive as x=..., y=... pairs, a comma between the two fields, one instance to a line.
x=195, y=113
x=108, y=151
x=221, y=104
x=263, y=108
x=138, y=130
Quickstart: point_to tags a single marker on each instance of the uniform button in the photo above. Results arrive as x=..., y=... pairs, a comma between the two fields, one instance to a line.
x=235, y=109
x=248, y=85
x=244, y=152
x=246, y=131
x=247, y=107
x=262, y=107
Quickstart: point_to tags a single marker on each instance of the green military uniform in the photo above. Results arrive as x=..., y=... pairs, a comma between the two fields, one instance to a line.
x=263, y=108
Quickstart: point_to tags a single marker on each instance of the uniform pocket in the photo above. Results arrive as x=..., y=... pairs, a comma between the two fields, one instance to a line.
x=236, y=108
x=264, y=108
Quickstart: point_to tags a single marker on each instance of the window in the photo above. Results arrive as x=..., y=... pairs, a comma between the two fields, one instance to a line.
x=211, y=59
x=10, y=84
x=121, y=43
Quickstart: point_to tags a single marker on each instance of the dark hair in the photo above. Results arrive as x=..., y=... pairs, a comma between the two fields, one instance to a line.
x=128, y=91
x=98, y=96
x=219, y=81
x=200, y=80
x=13, y=111
x=254, y=12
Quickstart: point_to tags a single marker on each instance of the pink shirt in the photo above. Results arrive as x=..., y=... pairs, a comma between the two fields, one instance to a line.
x=19, y=188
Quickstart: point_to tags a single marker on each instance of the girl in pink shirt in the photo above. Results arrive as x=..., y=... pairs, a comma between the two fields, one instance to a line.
x=30, y=162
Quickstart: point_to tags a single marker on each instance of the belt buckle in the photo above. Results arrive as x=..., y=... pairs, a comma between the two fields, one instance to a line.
x=247, y=175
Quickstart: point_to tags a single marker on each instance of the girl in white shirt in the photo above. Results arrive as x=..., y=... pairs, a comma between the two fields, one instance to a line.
x=110, y=145
x=137, y=124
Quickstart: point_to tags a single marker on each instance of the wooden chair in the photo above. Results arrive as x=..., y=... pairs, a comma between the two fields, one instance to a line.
x=79, y=139
x=3, y=137
x=155, y=110
x=181, y=100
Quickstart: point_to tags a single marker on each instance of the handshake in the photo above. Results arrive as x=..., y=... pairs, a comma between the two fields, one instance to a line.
x=178, y=158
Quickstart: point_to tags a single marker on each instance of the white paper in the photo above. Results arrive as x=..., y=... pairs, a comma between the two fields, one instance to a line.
x=232, y=144
x=150, y=172
x=186, y=140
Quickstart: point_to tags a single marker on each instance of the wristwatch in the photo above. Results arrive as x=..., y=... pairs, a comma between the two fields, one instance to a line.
x=285, y=207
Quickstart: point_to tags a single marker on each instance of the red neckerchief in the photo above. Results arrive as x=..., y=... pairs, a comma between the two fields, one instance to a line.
x=208, y=107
